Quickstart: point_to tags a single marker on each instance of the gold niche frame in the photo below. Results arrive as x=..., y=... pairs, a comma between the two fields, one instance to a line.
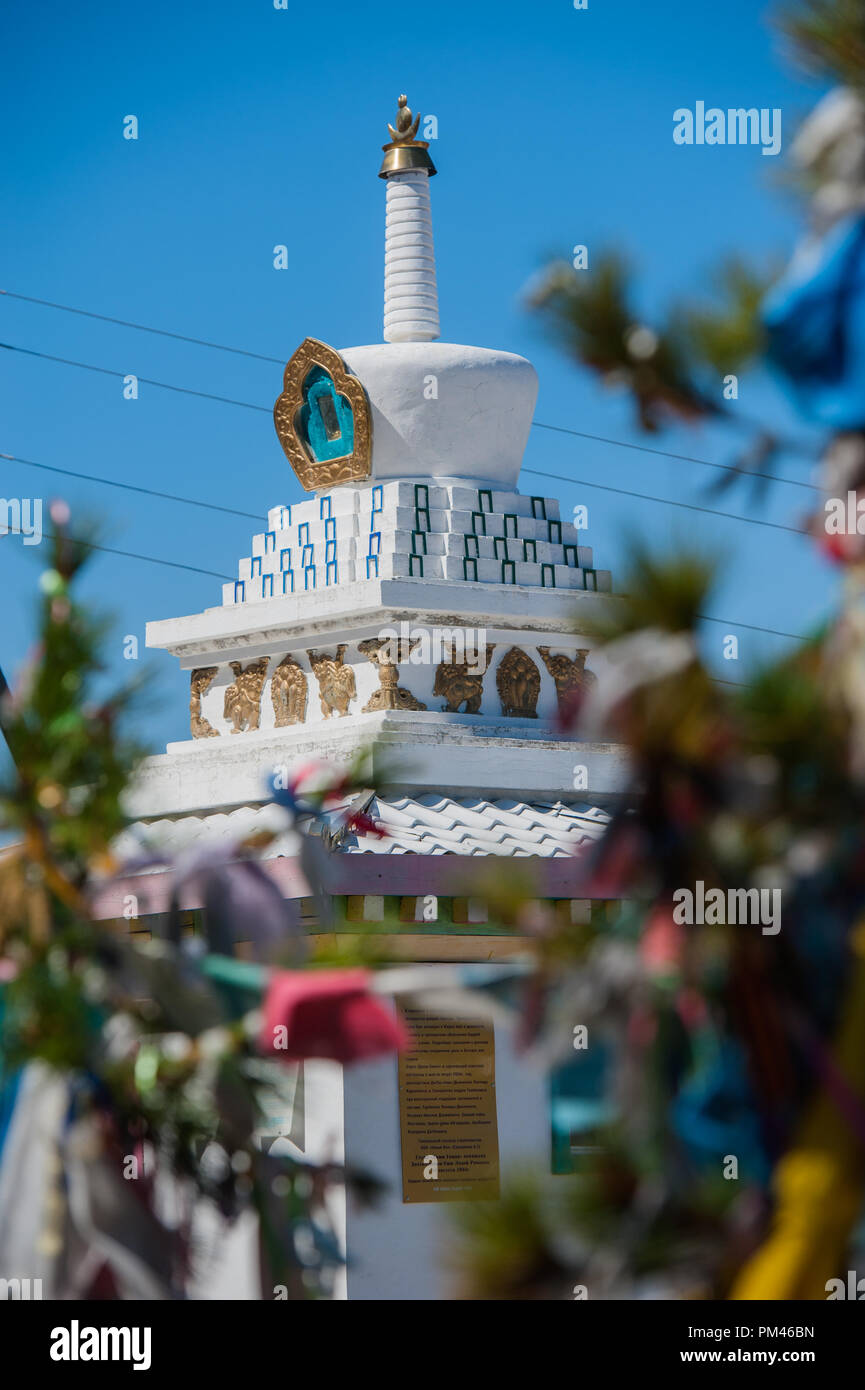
x=348, y=468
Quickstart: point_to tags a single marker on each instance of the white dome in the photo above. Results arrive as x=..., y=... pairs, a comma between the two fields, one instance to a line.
x=440, y=410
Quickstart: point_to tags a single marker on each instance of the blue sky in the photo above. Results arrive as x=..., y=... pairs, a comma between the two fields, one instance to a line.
x=259, y=127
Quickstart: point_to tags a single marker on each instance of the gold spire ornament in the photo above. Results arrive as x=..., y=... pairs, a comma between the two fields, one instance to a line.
x=406, y=128
x=405, y=151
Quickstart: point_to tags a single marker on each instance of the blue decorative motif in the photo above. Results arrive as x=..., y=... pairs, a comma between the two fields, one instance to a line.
x=325, y=420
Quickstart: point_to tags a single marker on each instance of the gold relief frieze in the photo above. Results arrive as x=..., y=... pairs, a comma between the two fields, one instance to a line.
x=336, y=684
x=570, y=675
x=460, y=682
x=242, y=707
x=288, y=693
x=390, y=694
x=518, y=682
x=200, y=680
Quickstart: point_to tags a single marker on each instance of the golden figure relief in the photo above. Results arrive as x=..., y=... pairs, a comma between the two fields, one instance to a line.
x=323, y=408
x=335, y=680
x=200, y=680
x=390, y=694
x=460, y=684
x=243, y=697
x=569, y=675
x=518, y=682
x=288, y=693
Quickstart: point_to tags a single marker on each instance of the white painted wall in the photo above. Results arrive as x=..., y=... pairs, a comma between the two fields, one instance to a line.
x=398, y=1251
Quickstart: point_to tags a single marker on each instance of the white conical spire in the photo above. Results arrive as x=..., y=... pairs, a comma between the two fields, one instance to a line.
x=411, y=312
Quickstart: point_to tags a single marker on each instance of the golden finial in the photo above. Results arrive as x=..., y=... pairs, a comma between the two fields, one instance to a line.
x=406, y=128
x=405, y=152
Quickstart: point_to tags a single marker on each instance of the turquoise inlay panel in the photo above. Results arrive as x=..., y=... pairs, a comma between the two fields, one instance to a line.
x=325, y=421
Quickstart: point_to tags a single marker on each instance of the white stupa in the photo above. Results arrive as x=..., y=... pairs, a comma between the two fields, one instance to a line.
x=417, y=602
x=415, y=528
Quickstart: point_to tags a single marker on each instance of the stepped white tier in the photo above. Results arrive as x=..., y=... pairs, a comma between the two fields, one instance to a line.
x=410, y=530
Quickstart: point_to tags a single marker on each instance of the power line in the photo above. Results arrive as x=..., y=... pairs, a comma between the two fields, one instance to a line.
x=148, y=381
x=666, y=501
x=540, y=473
x=141, y=327
x=683, y=458
x=127, y=554
x=753, y=627
x=536, y=424
x=130, y=487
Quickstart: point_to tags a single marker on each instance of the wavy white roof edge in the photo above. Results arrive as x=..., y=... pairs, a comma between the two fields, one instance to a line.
x=429, y=824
